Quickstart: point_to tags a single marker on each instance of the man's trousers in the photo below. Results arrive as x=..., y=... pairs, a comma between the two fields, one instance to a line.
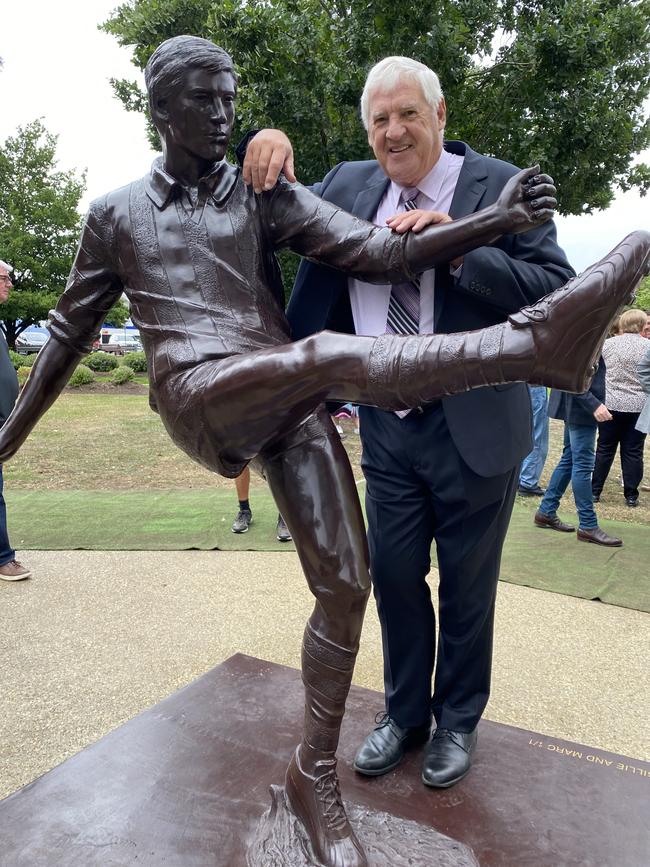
x=419, y=490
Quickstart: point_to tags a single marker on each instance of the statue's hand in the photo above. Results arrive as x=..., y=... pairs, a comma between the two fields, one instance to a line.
x=527, y=200
x=268, y=153
x=8, y=445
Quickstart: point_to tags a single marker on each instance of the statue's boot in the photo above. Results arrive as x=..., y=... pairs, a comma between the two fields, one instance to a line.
x=556, y=342
x=311, y=785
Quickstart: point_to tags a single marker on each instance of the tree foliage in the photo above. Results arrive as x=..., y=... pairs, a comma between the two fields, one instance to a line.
x=561, y=82
x=643, y=295
x=39, y=227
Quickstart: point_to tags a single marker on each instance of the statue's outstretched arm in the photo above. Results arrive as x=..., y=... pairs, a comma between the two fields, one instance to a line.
x=318, y=230
x=93, y=288
x=49, y=374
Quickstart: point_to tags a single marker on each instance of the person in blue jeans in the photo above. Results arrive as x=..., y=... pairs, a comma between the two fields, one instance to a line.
x=10, y=568
x=533, y=464
x=581, y=414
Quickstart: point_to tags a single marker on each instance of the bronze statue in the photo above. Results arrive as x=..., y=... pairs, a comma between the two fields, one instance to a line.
x=193, y=248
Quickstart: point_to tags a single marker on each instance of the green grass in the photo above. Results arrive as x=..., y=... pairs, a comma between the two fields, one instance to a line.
x=101, y=472
x=104, y=441
x=112, y=440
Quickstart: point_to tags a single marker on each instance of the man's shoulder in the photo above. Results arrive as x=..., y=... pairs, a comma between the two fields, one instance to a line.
x=480, y=164
x=355, y=172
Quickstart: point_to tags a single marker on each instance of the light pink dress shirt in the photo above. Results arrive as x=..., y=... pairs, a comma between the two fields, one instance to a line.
x=370, y=301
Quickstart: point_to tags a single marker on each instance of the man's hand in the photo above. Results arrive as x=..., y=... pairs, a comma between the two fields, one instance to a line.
x=416, y=220
x=601, y=413
x=527, y=200
x=268, y=153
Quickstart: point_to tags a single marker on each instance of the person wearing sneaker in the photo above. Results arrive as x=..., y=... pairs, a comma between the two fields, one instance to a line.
x=581, y=414
x=10, y=568
x=244, y=517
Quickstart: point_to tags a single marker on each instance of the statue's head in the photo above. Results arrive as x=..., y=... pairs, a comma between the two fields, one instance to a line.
x=192, y=86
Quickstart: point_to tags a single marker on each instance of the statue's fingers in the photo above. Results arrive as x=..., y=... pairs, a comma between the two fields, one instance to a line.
x=544, y=203
x=539, y=190
x=526, y=176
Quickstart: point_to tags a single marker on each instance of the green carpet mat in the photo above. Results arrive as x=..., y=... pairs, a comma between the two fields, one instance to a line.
x=138, y=521
x=179, y=520
x=554, y=561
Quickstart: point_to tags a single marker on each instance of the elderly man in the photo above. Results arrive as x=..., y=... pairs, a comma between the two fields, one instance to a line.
x=448, y=472
x=192, y=247
x=10, y=568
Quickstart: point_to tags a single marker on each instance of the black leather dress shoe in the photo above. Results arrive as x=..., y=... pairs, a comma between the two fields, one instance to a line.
x=552, y=522
x=447, y=758
x=535, y=491
x=385, y=746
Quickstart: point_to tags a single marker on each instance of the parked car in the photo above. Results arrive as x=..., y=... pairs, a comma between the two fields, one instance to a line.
x=118, y=342
x=128, y=342
x=31, y=341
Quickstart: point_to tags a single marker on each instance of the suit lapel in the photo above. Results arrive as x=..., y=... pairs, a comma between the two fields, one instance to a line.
x=470, y=189
x=365, y=206
x=368, y=199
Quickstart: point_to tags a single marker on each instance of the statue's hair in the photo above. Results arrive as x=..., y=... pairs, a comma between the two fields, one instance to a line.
x=167, y=66
x=6, y=266
x=389, y=71
x=632, y=322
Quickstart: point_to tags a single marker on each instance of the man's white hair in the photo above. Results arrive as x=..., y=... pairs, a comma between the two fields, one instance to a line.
x=5, y=266
x=389, y=71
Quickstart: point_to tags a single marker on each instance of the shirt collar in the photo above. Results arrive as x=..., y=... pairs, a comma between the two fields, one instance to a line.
x=430, y=184
x=161, y=186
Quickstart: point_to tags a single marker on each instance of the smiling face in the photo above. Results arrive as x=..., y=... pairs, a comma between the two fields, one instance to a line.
x=198, y=116
x=5, y=284
x=405, y=132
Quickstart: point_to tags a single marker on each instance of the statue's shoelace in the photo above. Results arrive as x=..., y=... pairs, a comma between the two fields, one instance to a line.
x=329, y=794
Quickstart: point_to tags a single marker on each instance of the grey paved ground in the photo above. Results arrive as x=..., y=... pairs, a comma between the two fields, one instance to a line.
x=95, y=637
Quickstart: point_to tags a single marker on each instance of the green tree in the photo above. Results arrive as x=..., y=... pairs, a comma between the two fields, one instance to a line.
x=643, y=295
x=562, y=82
x=39, y=227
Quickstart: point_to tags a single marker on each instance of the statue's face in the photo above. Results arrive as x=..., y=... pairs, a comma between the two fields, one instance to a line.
x=405, y=133
x=200, y=114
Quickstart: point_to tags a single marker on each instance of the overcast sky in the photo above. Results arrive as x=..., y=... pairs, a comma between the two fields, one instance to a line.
x=57, y=66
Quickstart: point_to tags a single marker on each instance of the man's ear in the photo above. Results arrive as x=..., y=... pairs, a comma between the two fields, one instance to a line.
x=441, y=113
x=160, y=113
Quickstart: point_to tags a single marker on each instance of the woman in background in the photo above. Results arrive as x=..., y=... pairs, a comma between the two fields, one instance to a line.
x=624, y=399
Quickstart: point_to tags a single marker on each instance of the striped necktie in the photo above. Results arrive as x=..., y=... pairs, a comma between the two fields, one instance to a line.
x=404, y=304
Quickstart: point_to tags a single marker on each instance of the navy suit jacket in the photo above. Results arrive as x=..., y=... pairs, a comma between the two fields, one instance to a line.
x=580, y=408
x=491, y=427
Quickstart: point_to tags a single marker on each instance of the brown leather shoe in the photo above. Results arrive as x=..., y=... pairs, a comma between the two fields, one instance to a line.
x=569, y=326
x=599, y=537
x=14, y=571
x=316, y=801
x=552, y=522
